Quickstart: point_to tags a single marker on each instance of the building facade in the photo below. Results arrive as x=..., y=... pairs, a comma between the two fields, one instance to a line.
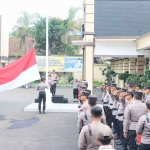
x=118, y=29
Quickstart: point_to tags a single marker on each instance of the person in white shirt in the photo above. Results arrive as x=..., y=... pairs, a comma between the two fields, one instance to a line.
x=105, y=137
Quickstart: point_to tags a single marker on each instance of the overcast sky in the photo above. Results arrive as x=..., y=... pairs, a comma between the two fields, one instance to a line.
x=57, y=8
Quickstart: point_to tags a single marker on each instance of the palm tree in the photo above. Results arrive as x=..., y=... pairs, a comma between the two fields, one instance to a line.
x=70, y=25
x=23, y=28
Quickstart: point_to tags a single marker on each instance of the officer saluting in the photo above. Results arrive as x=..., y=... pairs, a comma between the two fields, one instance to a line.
x=143, y=128
x=132, y=115
x=89, y=133
x=42, y=95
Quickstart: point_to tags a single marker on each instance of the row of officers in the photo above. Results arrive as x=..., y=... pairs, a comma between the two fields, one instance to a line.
x=127, y=112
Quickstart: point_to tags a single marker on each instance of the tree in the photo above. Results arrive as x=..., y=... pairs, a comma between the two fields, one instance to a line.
x=123, y=76
x=23, y=27
x=134, y=78
x=55, y=33
x=70, y=27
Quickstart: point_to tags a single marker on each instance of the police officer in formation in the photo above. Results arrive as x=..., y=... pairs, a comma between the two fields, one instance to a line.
x=129, y=114
x=89, y=120
x=42, y=95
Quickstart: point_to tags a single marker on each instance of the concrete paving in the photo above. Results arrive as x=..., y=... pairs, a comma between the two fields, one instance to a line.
x=21, y=130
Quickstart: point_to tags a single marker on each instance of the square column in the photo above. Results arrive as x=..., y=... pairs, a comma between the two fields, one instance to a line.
x=89, y=66
x=84, y=62
x=120, y=66
x=140, y=65
x=132, y=66
x=125, y=65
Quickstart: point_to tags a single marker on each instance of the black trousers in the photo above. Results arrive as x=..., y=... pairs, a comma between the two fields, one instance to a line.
x=75, y=93
x=52, y=90
x=115, y=124
x=42, y=97
x=120, y=123
x=54, y=87
x=108, y=114
x=132, y=140
x=145, y=147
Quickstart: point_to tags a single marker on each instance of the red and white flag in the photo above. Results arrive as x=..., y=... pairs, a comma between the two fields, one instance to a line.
x=19, y=73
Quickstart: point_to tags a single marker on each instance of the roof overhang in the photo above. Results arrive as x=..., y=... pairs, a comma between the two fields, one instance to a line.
x=143, y=43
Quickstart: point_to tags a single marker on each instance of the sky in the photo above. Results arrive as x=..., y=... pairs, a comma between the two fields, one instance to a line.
x=11, y=9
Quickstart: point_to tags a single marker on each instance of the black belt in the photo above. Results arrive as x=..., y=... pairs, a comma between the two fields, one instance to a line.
x=111, y=104
x=134, y=121
x=114, y=109
x=105, y=103
x=120, y=115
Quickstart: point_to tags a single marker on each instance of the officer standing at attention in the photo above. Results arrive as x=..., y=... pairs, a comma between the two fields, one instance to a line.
x=89, y=133
x=85, y=116
x=42, y=95
x=143, y=128
x=131, y=117
x=54, y=77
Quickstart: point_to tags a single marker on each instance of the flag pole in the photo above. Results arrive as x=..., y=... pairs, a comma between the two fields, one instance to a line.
x=47, y=48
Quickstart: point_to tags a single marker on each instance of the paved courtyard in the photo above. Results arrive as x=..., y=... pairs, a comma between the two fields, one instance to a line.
x=30, y=131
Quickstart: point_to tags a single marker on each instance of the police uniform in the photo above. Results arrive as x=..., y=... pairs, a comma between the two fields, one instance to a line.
x=54, y=77
x=143, y=128
x=132, y=115
x=85, y=119
x=87, y=138
x=42, y=95
x=106, y=104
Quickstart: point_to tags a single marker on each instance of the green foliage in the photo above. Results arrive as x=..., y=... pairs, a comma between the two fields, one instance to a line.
x=123, y=76
x=70, y=78
x=148, y=83
x=109, y=73
x=97, y=83
x=59, y=34
x=144, y=79
x=134, y=78
x=16, y=54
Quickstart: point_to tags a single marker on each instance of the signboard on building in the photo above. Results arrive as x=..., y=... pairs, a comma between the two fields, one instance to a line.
x=60, y=63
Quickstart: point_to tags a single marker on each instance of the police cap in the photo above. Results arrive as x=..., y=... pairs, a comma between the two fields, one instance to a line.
x=147, y=87
x=85, y=93
x=131, y=85
x=129, y=93
x=138, y=85
x=83, y=87
x=88, y=91
x=92, y=99
x=113, y=84
x=118, y=88
x=96, y=111
x=123, y=90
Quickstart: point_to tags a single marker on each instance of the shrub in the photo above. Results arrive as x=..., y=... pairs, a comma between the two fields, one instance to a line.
x=70, y=78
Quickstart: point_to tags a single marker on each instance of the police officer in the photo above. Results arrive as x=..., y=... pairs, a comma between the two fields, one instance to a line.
x=42, y=95
x=106, y=105
x=89, y=133
x=120, y=114
x=147, y=92
x=54, y=77
x=138, y=88
x=85, y=116
x=143, y=128
x=132, y=115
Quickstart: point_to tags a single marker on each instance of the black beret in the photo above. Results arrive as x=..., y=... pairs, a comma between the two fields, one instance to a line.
x=83, y=87
x=88, y=91
x=123, y=90
x=138, y=93
x=92, y=98
x=96, y=111
x=85, y=93
x=131, y=85
x=108, y=84
x=118, y=88
x=138, y=85
x=129, y=93
x=113, y=84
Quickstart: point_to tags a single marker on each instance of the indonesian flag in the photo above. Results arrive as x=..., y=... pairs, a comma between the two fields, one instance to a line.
x=19, y=73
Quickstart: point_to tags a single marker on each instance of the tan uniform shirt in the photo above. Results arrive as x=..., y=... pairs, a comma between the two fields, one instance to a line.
x=85, y=119
x=54, y=77
x=42, y=86
x=87, y=142
x=132, y=115
x=143, y=128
